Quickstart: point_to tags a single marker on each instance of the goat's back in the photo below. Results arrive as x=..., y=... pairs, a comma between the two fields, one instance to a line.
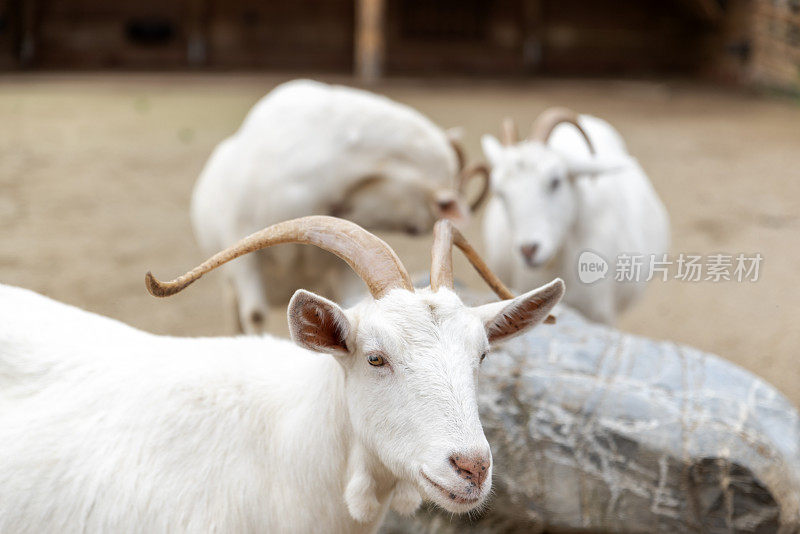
x=105, y=428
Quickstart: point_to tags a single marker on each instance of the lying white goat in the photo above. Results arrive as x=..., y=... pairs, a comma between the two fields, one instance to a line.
x=104, y=428
x=551, y=201
x=308, y=148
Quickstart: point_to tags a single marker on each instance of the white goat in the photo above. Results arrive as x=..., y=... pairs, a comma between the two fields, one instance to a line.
x=309, y=148
x=104, y=428
x=551, y=201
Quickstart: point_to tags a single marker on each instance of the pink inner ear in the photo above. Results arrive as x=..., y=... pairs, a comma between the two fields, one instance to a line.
x=319, y=329
x=516, y=317
x=508, y=323
x=453, y=210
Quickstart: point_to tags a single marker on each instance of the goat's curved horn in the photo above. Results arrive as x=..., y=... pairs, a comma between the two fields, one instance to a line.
x=461, y=157
x=544, y=125
x=369, y=256
x=465, y=174
x=445, y=235
x=482, y=171
x=509, y=132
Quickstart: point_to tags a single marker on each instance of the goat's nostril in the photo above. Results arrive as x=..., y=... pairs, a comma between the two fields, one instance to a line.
x=471, y=467
x=528, y=250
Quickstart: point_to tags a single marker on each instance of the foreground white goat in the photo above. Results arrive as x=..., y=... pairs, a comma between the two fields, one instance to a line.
x=309, y=148
x=105, y=428
x=552, y=201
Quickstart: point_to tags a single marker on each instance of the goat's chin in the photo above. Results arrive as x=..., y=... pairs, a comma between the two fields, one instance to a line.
x=457, y=499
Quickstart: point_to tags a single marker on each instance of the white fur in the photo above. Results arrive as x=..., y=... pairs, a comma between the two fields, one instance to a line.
x=604, y=204
x=309, y=148
x=105, y=428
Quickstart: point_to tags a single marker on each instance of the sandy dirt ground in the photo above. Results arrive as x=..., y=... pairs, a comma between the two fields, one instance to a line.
x=96, y=174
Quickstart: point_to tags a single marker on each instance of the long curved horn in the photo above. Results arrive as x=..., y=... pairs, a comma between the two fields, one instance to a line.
x=369, y=256
x=545, y=123
x=465, y=174
x=482, y=171
x=445, y=235
x=461, y=157
x=509, y=132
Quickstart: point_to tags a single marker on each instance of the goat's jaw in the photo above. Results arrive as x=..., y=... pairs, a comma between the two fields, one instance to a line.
x=457, y=499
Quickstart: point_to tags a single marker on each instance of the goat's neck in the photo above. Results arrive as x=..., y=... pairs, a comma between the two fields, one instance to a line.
x=366, y=482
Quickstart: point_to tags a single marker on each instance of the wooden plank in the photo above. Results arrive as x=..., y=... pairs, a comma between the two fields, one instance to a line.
x=29, y=41
x=534, y=25
x=370, y=42
x=197, y=38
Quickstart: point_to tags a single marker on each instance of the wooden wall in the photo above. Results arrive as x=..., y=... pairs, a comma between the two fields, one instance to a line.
x=170, y=34
x=9, y=34
x=296, y=34
x=543, y=36
x=733, y=40
x=454, y=36
x=111, y=34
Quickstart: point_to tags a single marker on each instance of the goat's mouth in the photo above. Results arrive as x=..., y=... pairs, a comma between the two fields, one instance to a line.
x=451, y=495
x=540, y=261
x=532, y=263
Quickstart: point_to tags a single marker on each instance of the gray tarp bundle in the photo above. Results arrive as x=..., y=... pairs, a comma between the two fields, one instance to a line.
x=594, y=429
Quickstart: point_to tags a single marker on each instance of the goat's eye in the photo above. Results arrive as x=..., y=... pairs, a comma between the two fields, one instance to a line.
x=376, y=360
x=483, y=357
x=554, y=184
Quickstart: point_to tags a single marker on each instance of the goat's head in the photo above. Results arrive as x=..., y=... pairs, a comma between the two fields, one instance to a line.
x=410, y=194
x=409, y=205
x=410, y=357
x=535, y=183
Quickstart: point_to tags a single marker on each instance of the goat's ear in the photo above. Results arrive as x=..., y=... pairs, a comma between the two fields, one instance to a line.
x=318, y=324
x=450, y=206
x=592, y=166
x=492, y=149
x=508, y=318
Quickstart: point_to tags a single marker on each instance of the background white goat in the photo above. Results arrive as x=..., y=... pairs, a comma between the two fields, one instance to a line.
x=104, y=428
x=309, y=148
x=551, y=201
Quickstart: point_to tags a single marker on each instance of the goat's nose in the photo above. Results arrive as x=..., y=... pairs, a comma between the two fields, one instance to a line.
x=528, y=251
x=472, y=467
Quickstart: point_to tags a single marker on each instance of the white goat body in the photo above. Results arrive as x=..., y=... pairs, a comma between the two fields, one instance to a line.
x=608, y=206
x=309, y=148
x=105, y=428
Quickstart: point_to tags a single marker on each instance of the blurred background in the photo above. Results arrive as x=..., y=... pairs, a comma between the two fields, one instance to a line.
x=109, y=110
x=744, y=41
